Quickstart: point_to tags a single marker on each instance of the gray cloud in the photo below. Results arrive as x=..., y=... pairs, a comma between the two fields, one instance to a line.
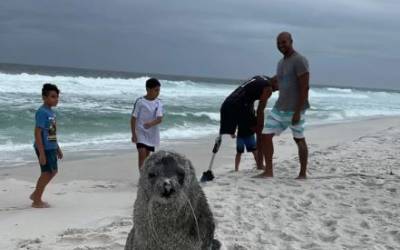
x=346, y=42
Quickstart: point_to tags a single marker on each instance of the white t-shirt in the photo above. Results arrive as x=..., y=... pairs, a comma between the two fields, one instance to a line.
x=146, y=111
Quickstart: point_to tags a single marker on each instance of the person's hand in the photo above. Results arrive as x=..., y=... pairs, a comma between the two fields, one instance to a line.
x=60, y=154
x=257, y=129
x=147, y=125
x=134, y=139
x=296, y=118
x=42, y=159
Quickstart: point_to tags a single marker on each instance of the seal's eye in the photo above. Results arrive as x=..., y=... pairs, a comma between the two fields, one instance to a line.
x=152, y=175
x=181, y=177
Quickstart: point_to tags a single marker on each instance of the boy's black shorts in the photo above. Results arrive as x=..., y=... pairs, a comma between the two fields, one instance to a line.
x=233, y=115
x=141, y=145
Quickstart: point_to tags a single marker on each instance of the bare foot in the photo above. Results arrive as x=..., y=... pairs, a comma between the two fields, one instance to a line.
x=301, y=177
x=264, y=175
x=41, y=204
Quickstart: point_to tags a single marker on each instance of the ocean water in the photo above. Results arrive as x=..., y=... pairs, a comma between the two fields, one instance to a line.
x=94, y=113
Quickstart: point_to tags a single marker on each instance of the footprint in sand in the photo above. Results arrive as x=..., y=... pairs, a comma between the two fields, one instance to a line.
x=329, y=238
x=345, y=205
x=60, y=193
x=236, y=246
x=29, y=244
x=339, y=187
x=247, y=189
x=395, y=235
x=305, y=204
x=5, y=209
x=296, y=215
x=287, y=237
x=218, y=206
x=221, y=183
x=311, y=195
x=262, y=196
x=331, y=196
x=329, y=223
x=365, y=225
x=218, y=214
x=110, y=236
x=312, y=245
x=392, y=190
x=109, y=186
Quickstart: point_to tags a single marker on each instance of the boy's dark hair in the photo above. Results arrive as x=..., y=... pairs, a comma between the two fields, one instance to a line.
x=152, y=83
x=47, y=87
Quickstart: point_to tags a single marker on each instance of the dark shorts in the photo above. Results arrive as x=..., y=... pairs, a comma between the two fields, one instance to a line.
x=51, y=161
x=141, y=145
x=233, y=115
x=248, y=141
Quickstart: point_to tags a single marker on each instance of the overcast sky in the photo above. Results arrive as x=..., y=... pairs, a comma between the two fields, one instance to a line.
x=346, y=42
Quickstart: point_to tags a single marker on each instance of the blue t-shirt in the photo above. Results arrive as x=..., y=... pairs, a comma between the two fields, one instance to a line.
x=46, y=120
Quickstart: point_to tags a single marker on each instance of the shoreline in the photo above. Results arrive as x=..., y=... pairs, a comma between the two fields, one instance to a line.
x=194, y=149
x=100, y=153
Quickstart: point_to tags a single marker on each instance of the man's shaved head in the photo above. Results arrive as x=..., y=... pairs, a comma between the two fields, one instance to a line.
x=285, y=35
x=284, y=43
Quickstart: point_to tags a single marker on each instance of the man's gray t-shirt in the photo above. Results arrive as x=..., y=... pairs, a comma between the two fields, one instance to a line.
x=289, y=87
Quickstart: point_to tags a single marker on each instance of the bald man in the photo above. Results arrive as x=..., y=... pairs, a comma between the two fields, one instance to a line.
x=293, y=81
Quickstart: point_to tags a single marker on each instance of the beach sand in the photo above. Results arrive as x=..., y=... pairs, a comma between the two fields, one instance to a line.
x=349, y=201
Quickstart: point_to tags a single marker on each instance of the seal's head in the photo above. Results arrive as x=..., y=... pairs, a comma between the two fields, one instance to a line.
x=166, y=177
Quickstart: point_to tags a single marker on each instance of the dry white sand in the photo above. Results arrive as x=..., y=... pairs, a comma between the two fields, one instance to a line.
x=349, y=201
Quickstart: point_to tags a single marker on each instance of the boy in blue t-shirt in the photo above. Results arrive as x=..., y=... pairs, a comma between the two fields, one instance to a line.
x=46, y=145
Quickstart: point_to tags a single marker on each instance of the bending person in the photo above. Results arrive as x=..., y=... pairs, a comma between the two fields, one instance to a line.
x=238, y=109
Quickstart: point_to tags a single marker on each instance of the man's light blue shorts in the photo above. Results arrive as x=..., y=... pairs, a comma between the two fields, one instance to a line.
x=279, y=121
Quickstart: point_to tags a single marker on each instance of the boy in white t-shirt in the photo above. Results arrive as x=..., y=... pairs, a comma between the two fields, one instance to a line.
x=146, y=115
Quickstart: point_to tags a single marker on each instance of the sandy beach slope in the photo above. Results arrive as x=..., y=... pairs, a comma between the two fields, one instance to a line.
x=349, y=201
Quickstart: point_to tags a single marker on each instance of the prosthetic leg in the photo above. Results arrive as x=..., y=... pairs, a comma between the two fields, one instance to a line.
x=208, y=175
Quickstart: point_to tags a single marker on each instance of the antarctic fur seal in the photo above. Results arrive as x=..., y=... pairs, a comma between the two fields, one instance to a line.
x=171, y=211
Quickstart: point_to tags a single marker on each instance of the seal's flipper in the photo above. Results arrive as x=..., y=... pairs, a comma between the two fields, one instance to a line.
x=216, y=245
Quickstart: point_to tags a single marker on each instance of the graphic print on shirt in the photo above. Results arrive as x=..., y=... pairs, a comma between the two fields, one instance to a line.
x=52, y=129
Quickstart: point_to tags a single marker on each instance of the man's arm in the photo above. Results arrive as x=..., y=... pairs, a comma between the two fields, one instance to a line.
x=303, y=95
x=274, y=83
x=40, y=146
x=266, y=93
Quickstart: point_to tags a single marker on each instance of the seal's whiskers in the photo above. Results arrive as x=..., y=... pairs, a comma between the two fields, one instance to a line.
x=194, y=215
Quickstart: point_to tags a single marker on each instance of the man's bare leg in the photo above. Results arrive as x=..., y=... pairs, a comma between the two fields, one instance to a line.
x=256, y=157
x=268, y=151
x=303, y=157
x=237, y=161
x=259, y=157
